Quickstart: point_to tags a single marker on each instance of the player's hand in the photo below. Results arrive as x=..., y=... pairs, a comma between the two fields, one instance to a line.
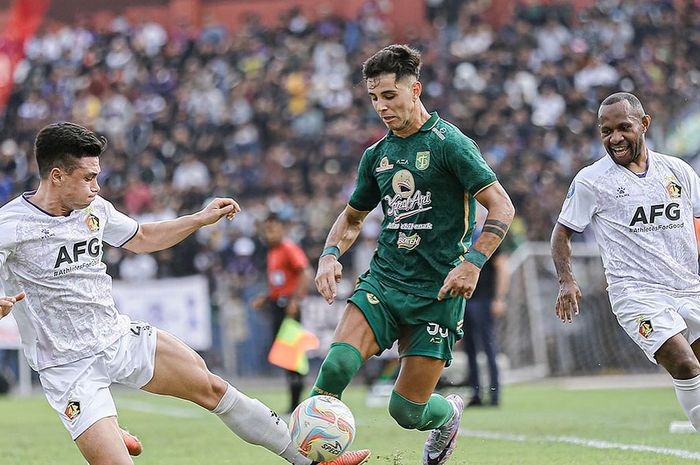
x=217, y=209
x=328, y=276
x=460, y=281
x=6, y=303
x=567, y=301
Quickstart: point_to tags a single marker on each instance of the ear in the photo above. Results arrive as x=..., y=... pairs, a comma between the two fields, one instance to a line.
x=646, y=121
x=56, y=175
x=417, y=89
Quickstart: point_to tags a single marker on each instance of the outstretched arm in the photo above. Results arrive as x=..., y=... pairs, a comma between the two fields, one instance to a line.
x=462, y=279
x=342, y=235
x=152, y=237
x=569, y=292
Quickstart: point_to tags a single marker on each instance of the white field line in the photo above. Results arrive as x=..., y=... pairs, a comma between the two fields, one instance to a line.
x=139, y=406
x=593, y=443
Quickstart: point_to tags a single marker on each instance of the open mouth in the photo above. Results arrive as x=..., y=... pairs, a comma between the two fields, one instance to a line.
x=620, y=151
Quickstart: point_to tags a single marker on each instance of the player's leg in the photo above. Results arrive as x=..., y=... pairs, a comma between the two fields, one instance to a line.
x=80, y=393
x=353, y=343
x=102, y=444
x=679, y=359
x=181, y=372
x=413, y=404
x=658, y=334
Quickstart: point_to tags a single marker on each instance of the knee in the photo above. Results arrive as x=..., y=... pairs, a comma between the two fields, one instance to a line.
x=685, y=367
x=408, y=418
x=217, y=389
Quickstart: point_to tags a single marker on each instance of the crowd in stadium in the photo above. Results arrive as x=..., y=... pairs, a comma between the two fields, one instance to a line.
x=278, y=117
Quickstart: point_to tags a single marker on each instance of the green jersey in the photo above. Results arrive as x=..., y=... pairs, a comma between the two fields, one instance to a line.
x=426, y=183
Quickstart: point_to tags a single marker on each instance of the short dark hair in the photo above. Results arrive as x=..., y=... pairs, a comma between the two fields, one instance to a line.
x=634, y=102
x=59, y=145
x=399, y=59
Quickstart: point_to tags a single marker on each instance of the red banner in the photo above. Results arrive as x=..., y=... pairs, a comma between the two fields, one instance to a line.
x=25, y=18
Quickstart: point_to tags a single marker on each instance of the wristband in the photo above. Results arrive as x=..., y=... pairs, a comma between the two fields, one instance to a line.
x=332, y=250
x=475, y=257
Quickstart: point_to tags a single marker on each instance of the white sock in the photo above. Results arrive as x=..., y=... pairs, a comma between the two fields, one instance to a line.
x=688, y=394
x=256, y=424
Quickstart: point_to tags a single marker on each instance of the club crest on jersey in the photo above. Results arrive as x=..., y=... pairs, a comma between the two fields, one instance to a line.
x=423, y=160
x=408, y=242
x=384, y=165
x=673, y=189
x=645, y=328
x=72, y=409
x=92, y=222
x=371, y=298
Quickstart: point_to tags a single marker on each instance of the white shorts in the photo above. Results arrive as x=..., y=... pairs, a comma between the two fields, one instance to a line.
x=652, y=319
x=79, y=391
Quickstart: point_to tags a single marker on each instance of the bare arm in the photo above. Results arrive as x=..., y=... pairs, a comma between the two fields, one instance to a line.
x=569, y=293
x=342, y=235
x=152, y=237
x=462, y=279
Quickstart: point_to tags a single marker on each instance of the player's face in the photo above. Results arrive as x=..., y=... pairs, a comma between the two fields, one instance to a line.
x=79, y=187
x=622, y=132
x=394, y=102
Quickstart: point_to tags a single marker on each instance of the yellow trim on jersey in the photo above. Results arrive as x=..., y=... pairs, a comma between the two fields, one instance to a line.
x=487, y=185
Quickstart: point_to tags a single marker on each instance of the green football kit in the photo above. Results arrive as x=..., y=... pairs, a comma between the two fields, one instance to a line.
x=426, y=184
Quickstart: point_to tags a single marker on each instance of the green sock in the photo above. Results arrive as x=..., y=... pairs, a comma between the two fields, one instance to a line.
x=411, y=415
x=338, y=368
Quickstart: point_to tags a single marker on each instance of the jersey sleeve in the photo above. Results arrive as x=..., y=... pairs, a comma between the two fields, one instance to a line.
x=366, y=195
x=694, y=184
x=579, y=205
x=465, y=160
x=296, y=256
x=120, y=228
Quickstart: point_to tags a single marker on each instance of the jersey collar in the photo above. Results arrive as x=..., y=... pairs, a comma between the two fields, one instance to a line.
x=430, y=124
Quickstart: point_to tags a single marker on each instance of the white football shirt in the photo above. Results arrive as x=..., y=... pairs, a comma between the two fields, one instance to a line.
x=69, y=312
x=643, y=225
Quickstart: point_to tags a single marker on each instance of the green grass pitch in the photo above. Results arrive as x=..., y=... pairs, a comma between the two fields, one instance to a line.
x=537, y=424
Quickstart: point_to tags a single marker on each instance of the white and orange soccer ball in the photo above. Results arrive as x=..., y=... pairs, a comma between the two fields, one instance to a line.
x=322, y=427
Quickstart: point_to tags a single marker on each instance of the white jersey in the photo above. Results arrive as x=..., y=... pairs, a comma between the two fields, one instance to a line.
x=643, y=225
x=69, y=312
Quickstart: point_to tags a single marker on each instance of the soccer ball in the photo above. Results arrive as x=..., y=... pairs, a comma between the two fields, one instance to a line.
x=322, y=428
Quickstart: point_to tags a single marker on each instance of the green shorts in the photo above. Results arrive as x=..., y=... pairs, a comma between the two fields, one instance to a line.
x=423, y=326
